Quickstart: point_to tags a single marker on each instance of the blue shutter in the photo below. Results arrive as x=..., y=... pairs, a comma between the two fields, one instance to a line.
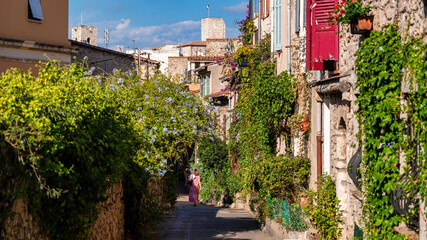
x=278, y=25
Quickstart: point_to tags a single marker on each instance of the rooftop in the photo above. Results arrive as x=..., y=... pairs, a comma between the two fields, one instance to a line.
x=194, y=43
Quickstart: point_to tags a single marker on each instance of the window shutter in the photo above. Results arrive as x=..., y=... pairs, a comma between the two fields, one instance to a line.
x=208, y=85
x=36, y=9
x=202, y=87
x=322, y=39
x=278, y=25
x=267, y=8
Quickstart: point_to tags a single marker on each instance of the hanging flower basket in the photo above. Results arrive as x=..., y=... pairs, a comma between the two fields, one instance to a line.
x=362, y=25
x=304, y=125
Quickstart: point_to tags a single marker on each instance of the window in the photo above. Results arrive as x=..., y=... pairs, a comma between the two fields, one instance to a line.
x=35, y=10
x=278, y=25
x=322, y=39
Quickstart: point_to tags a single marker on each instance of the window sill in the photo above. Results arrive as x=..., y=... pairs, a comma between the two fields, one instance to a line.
x=34, y=21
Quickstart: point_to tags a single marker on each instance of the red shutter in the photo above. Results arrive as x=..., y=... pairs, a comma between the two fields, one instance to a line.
x=322, y=40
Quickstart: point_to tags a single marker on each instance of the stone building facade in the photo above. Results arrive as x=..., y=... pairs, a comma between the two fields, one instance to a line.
x=193, y=48
x=213, y=28
x=328, y=97
x=104, y=60
x=160, y=54
x=85, y=34
x=221, y=46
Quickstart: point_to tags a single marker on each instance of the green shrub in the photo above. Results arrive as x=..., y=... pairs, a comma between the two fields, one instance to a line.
x=324, y=209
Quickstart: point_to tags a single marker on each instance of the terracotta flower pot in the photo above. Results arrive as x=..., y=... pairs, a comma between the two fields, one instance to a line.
x=304, y=125
x=303, y=201
x=362, y=25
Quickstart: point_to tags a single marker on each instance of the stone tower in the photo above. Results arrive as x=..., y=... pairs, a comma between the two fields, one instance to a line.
x=213, y=28
x=85, y=34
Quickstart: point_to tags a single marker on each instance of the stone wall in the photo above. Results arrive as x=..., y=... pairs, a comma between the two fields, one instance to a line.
x=177, y=65
x=344, y=125
x=111, y=221
x=213, y=28
x=221, y=46
x=109, y=226
x=193, y=50
x=86, y=34
x=104, y=60
x=22, y=225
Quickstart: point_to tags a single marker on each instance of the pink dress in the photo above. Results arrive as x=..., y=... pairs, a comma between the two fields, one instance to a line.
x=194, y=190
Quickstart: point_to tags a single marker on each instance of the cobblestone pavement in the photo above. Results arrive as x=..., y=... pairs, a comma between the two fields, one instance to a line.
x=208, y=222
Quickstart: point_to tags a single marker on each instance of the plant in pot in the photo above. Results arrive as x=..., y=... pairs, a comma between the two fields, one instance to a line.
x=352, y=12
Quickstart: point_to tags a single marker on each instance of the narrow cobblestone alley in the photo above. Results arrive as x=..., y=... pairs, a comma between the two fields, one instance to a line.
x=208, y=222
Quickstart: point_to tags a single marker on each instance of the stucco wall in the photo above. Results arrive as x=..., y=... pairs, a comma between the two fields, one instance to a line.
x=53, y=29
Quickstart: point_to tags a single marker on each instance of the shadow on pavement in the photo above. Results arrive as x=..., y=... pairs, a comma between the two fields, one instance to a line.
x=207, y=222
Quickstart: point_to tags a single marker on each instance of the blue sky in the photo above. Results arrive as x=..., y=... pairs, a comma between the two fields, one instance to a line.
x=153, y=23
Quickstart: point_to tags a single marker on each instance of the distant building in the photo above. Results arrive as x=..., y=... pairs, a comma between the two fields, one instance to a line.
x=160, y=54
x=85, y=34
x=33, y=31
x=213, y=28
x=107, y=61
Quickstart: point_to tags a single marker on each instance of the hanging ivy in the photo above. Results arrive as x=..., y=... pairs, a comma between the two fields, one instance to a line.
x=384, y=61
x=263, y=114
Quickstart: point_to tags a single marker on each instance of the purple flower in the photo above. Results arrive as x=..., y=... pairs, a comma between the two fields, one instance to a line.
x=248, y=6
x=249, y=11
x=222, y=90
x=244, y=34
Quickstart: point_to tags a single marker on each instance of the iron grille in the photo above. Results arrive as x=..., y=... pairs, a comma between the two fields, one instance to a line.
x=354, y=163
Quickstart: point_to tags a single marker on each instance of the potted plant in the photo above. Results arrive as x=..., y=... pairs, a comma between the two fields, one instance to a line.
x=354, y=13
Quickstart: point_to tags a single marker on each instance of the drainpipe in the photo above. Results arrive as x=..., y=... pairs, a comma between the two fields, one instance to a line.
x=288, y=37
x=319, y=132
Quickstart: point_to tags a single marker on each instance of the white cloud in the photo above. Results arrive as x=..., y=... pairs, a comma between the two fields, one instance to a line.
x=123, y=31
x=124, y=23
x=240, y=8
x=151, y=36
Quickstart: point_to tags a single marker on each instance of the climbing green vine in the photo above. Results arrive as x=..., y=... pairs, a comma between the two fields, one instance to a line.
x=263, y=114
x=384, y=62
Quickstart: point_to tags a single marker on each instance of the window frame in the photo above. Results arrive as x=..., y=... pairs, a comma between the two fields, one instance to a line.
x=33, y=7
x=278, y=25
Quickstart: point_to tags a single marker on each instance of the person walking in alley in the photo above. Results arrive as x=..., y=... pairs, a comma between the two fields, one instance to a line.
x=195, y=188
